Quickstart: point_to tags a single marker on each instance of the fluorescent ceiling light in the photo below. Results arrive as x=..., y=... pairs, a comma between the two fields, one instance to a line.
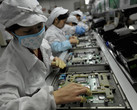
x=86, y=2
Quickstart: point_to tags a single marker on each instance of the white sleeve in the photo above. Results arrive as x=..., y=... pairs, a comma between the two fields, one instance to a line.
x=42, y=100
x=52, y=57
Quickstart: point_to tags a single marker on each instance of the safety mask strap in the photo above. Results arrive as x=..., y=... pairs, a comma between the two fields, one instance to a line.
x=27, y=36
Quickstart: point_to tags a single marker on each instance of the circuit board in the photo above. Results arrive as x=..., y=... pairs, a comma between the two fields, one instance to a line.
x=86, y=57
x=105, y=93
x=86, y=38
x=88, y=44
x=97, y=83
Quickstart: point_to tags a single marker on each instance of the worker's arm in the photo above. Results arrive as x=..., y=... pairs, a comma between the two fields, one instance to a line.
x=61, y=46
x=11, y=100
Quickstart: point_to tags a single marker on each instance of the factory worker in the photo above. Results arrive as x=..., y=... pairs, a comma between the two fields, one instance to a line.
x=71, y=26
x=79, y=16
x=22, y=71
x=55, y=35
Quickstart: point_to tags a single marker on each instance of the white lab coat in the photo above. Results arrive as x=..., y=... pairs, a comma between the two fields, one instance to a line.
x=80, y=23
x=21, y=73
x=69, y=30
x=47, y=54
x=54, y=34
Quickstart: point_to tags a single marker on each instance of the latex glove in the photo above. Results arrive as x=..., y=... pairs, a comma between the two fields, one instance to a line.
x=58, y=63
x=80, y=30
x=70, y=93
x=74, y=41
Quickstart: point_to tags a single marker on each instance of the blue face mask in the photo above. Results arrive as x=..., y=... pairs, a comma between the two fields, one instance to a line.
x=32, y=41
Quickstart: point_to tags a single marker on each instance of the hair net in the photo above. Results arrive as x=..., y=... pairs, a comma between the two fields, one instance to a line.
x=78, y=12
x=73, y=19
x=21, y=12
x=54, y=14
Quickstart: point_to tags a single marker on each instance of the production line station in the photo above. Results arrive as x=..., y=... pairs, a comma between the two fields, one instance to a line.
x=105, y=64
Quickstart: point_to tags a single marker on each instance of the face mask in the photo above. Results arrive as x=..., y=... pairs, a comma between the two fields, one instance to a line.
x=32, y=41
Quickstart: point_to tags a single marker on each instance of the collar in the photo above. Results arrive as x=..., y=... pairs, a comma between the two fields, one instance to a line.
x=27, y=57
x=58, y=29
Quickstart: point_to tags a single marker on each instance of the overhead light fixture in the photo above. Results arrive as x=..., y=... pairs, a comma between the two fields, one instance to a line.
x=86, y=2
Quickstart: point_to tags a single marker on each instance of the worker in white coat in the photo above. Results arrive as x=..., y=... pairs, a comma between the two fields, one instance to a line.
x=71, y=27
x=22, y=71
x=79, y=16
x=54, y=34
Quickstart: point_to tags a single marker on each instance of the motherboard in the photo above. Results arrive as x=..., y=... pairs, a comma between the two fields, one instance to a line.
x=106, y=94
x=89, y=44
x=86, y=57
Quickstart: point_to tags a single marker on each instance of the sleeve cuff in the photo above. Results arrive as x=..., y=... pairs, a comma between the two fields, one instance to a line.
x=51, y=100
x=51, y=58
x=68, y=42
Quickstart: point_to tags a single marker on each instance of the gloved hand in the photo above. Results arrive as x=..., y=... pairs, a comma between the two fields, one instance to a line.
x=74, y=41
x=80, y=30
x=58, y=63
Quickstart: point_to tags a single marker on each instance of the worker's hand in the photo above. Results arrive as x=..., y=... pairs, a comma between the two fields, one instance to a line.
x=57, y=62
x=74, y=41
x=71, y=93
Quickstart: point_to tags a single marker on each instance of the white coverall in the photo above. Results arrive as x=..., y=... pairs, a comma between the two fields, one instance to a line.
x=69, y=30
x=46, y=54
x=54, y=34
x=80, y=23
x=22, y=73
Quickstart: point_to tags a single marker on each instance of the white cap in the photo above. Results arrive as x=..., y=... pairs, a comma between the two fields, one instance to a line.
x=133, y=16
x=73, y=19
x=78, y=12
x=21, y=12
x=54, y=14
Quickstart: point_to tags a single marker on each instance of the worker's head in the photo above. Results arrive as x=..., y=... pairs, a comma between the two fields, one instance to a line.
x=60, y=20
x=58, y=17
x=24, y=22
x=78, y=14
x=78, y=17
x=72, y=20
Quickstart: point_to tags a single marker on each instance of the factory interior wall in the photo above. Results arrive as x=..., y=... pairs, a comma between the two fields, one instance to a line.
x=49, y=4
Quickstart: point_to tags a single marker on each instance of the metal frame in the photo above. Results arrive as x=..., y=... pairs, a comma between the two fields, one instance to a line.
x=128, y=89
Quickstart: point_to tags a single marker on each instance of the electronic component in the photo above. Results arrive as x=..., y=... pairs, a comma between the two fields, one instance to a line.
x=105, y=93
x=86, y=57
x=92, y=43
x=86, y=38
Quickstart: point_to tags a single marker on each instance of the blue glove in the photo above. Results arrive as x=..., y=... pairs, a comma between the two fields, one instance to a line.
x=60, y=46
x=80, y=30
x=84, y=17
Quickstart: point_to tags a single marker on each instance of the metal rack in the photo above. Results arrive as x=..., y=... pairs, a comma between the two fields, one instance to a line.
x=123, y=81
